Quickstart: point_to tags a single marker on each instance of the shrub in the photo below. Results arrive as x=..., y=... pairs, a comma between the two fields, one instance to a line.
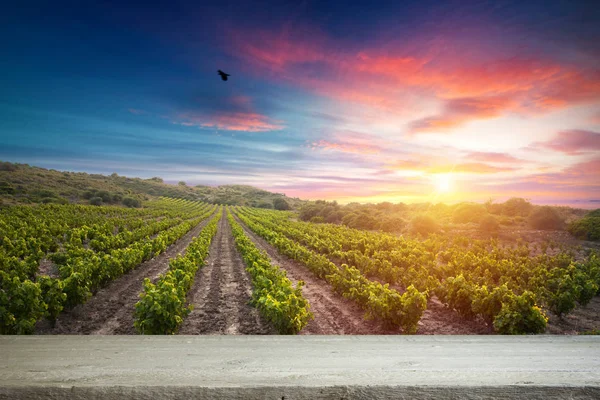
x=520, y=315
x=489, y=225
x=465, y=213
x=391, y=224
x=96, y=201
x=317, y=219
x=105, y=196
x=423, y=225
x=595, y=213
x=132, y=202
x=546, y=218
x=360, y=221
x=587, y=228
x=6, y=188
x=335, y=217
x=265, y=204
x=117, y=198
x=516, y=206
x=281, y=204
x=181, y=183
x=6, y=166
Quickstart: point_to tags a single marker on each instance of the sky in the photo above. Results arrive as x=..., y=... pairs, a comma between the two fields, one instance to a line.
x=423, y=101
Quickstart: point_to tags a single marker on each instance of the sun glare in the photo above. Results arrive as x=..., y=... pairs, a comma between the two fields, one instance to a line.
x=443, y=183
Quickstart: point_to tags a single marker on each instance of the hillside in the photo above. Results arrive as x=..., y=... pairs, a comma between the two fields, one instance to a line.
x=22, y=183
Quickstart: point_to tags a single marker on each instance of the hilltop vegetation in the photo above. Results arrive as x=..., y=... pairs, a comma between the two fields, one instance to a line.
x=22, y=183
x=484, y=219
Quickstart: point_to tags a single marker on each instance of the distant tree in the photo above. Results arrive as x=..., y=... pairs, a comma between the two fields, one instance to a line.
x=468, y=212
x=308, y=211
x=181, y=183
x=131, y=202
x=423, y=225
x=156, y=179
x=391, y=224
x=117, y=198
x=489, y=225
x=595, y=213
x=105, y=195
x=281, y=204
x=114, y=175
x=516, y=206
x=96, y=201
x=546, y=218
x=587, y=228
x=6, y=166
x=265, y=204
x=335, y=217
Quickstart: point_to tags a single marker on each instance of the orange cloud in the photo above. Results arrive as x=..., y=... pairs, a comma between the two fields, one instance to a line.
x=470, y=168
x=406, y=165
x=494, y=157
x=238, y=121
x=459, y=111
x=386, y=79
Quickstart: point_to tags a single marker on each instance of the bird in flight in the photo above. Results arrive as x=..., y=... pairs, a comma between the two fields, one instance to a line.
x=223, y=75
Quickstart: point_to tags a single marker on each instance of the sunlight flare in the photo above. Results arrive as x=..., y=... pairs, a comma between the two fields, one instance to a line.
x=443, y=182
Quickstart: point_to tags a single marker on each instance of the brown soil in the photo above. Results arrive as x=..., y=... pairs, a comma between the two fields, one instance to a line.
x=48, y=268
x=221, y=293
x=334, y=315
x=439, y=320
x=582, y=319
x=110, y=310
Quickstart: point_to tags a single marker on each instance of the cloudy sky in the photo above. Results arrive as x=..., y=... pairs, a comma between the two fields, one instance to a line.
x=354, y=101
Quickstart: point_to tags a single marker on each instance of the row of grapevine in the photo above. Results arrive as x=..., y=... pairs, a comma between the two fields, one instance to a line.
x=379, y=301
x=162, y=306
x=273, y=293
x=503, y=285
x=64, y=234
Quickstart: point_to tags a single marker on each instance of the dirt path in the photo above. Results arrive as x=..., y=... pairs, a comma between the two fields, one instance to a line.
x=221, y=293
x=110, y=310
x=334, y=315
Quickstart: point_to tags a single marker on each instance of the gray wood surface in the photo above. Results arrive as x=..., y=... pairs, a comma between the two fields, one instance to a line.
x=294, y=367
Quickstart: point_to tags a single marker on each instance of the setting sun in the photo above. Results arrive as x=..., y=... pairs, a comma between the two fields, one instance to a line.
x=443, y=183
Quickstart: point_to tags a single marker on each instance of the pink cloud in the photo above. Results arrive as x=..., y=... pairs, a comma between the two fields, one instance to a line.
x=351, y=142
x=470, y=168
x=493, y=157
x=473, y=88
x=460, y=111
x=345, y=147
x=571, y=142
x=136, y=111
x=234, y=121
x=406, y=165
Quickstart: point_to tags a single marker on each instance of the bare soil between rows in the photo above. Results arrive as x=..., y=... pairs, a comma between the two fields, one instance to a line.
x=221, y=293
x=581, y=319
x=110, y=310
x=333, y=314
x=328, y=306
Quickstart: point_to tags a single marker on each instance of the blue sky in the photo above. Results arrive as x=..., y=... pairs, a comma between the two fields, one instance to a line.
x=354, y=101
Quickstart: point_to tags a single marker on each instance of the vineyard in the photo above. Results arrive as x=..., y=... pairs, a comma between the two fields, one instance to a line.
x=187, y=267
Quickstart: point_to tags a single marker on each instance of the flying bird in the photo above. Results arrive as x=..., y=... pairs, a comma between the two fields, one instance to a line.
x=223, y=75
